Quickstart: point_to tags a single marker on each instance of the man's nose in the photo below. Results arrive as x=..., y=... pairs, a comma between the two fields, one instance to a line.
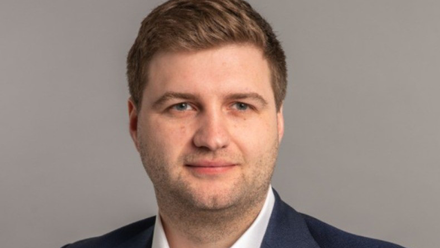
x=212, y=132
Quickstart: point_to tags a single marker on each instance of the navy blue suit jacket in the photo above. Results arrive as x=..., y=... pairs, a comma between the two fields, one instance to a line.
x=287, y=228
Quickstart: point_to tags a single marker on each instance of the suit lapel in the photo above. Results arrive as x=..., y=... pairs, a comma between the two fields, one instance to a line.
x=287, y=228
x=142, y=240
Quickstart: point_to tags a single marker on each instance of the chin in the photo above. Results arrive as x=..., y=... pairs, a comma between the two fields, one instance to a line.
x=214, y=199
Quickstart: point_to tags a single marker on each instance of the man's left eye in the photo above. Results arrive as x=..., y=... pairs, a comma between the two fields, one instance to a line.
x=241, y=106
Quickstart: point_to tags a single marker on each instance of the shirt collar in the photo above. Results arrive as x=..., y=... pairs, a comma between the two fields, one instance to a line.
x=253, y=237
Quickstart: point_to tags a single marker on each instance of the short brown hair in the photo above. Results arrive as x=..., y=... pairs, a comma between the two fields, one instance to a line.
x=192, y=25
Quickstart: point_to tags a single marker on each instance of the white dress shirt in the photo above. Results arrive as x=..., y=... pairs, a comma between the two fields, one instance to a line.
x=250, y=239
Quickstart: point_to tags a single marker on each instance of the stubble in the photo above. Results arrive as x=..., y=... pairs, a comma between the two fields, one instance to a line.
x=209, y=219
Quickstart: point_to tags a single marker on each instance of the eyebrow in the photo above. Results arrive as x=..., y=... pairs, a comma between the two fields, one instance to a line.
x=251, y=95
x=172, y=95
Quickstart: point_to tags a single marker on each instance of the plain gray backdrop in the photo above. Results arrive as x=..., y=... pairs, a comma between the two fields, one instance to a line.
x=362, y=143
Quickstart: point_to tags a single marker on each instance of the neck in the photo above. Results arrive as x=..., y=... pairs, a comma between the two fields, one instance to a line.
x=185, y=226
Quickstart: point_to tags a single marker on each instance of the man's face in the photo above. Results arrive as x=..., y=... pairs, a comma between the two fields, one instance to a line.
x=208, y=130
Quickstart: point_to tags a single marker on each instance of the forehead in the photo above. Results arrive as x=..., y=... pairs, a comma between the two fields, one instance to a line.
x=236, y=68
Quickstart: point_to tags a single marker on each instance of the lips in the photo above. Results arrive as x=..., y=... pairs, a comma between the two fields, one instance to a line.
x=208, y=163
x=210, y=167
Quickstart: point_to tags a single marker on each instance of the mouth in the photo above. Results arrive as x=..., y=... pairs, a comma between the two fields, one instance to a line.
x=210, y=167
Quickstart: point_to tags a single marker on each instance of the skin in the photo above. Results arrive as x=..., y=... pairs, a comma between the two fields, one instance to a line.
x=208, y=134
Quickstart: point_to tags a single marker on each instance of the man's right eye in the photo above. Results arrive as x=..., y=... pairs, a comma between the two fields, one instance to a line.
x=183, y=106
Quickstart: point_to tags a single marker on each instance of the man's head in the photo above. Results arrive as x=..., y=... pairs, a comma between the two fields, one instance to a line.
x=194, y=25
x=207, y=80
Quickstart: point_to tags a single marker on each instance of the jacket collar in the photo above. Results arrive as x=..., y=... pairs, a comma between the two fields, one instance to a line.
x=143, y=239
x=287, y=228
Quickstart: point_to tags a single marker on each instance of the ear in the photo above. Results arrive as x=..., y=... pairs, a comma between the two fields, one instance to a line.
x=280, y=122
x=133, y=118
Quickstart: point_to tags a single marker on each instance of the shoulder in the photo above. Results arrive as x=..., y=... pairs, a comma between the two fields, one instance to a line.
x=140, y=231
x=328, y=236
x=289, y=228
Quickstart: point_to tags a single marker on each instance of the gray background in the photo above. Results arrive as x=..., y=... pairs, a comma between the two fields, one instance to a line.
x=362, y=141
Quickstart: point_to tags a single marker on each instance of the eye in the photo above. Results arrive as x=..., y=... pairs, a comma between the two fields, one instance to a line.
x=241, y=106
x=183, y=106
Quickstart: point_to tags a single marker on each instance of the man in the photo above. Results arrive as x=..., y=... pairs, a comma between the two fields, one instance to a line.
x=207, y=81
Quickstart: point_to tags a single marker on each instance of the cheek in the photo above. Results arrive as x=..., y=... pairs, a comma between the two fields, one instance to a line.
x=164, y=130
x=254, y=138
x=168, y=137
